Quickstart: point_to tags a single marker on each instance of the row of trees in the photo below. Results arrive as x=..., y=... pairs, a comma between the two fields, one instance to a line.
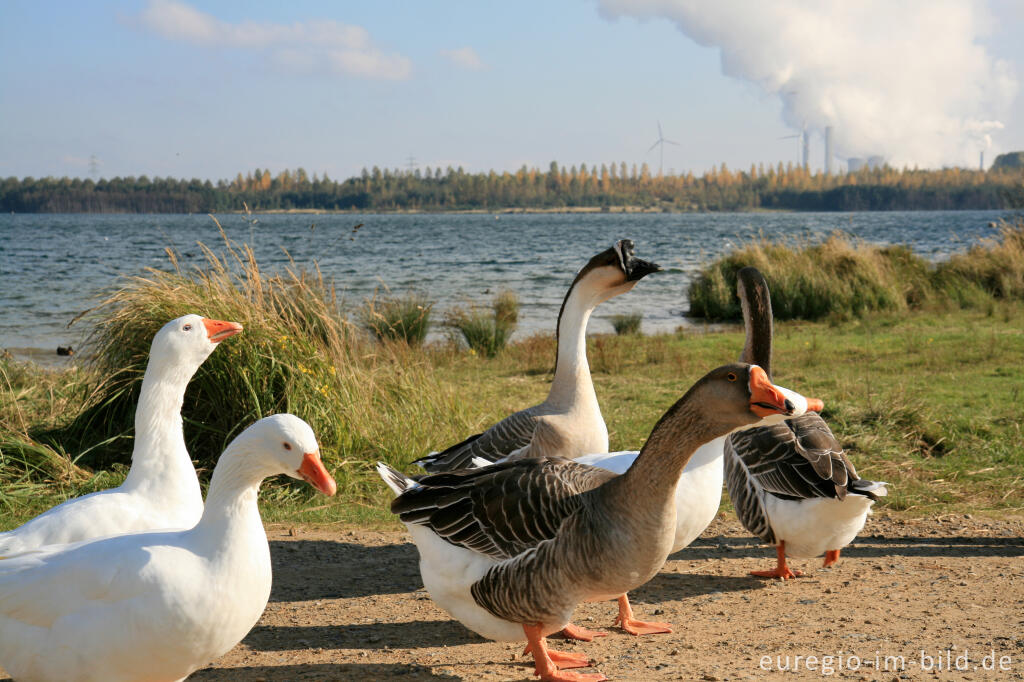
x=606, y=186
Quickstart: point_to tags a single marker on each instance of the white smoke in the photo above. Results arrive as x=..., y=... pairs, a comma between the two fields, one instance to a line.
x=905, y=79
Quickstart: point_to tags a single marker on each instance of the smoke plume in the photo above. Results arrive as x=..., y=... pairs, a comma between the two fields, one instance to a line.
x=904, y=79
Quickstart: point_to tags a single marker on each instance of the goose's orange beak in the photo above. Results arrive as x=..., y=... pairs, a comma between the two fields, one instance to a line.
x=218, y=330
x=765, y=399
x=313, y=472
x=815, y=405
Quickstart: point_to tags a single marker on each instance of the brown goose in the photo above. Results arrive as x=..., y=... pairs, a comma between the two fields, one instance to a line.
x=510, y=549
x=571, y=401
x=791, y=483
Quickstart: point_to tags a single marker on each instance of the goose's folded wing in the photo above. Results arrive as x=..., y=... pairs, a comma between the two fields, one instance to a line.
x=40, y=586
x=502, y=510
x=508, y=435
x=797, y=459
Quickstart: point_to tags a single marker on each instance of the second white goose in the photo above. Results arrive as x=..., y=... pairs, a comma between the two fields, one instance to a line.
x=156, y=606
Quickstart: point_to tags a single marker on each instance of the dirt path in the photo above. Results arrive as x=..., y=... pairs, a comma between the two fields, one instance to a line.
x=349, y=605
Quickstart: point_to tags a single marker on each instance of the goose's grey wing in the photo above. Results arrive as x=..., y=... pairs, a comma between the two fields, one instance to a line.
x=510, y=434
x=746, y=494
x=501, y=510
x=797, y=459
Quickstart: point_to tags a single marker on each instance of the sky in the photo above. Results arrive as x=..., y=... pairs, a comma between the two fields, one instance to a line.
x=208, y=89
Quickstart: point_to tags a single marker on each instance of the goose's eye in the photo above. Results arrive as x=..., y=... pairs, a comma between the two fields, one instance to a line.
x=287, y=446
x=187, y=328
x=730, y=376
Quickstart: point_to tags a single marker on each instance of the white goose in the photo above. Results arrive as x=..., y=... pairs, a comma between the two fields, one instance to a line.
x=161, y=489
x=791, y=484
x=510, y=549
x=156, y=606
x=572, y=403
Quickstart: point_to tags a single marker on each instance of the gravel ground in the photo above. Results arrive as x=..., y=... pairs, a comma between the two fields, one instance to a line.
x=909, y=596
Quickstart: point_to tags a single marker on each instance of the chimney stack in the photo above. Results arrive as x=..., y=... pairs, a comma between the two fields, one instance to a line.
x=828, y=150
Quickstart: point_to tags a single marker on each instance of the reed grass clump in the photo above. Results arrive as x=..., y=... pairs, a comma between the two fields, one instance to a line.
x=813, y=280
x=33, y=401
x=994, y=268
x=397, y=318
x=627, y=323
x=486, y=330
x=846, y=278
x=298, y=353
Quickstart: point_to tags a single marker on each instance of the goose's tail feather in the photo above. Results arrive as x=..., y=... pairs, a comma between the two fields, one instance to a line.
x=396, y=480
x=872, y=489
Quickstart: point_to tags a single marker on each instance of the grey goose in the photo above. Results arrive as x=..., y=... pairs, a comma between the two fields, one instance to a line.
x=510, y=549
x=791, y=484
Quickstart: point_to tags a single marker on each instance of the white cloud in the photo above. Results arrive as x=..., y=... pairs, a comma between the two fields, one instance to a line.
x=465, y=57
x=319, y=45
x=908, y=80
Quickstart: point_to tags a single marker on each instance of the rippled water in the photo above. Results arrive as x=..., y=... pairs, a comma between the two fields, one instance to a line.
x=54, y=266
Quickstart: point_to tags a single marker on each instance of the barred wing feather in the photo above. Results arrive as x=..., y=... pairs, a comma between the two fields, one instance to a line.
x=502, y=510
x=508, y=435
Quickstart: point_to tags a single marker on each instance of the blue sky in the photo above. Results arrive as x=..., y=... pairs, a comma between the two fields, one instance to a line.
x=208, y=89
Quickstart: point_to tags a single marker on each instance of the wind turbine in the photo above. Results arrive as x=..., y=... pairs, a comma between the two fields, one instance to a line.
x=805, y=147
x=661, y=142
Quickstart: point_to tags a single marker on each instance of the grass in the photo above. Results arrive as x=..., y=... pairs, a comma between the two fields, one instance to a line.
x=627, y=323
x=994, y=268
x=928, y=400
x=846, y=278
x=486, y=330
x=397, y=318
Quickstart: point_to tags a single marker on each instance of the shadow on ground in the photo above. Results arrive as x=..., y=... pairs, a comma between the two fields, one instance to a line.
x=325, y=671
x=355, y=570
x=863, y=547
x=413, y=634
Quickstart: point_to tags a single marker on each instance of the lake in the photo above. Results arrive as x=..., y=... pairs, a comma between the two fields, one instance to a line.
x=54, y=266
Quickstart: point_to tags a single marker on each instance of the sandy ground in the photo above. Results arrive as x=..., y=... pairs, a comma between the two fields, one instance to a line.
x=939, y=598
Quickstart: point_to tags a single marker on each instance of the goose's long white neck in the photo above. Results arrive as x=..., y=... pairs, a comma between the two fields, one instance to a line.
x=572, y=384
x=159, y=455
x=231, y=501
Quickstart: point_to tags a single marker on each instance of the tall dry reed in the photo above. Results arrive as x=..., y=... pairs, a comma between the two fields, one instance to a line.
x=298, y=353
x=844, y=277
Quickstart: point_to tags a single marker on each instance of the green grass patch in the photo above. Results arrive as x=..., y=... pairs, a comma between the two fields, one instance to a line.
x=627, y=323
x=486, y=329
x=397, y=318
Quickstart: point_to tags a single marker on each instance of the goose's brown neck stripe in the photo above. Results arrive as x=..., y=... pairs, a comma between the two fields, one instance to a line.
x=756, y=303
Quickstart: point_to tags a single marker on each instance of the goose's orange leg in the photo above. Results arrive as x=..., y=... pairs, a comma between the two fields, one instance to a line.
x=633, y=626
x=571, y=631
x=831, y=557
x=781, y=570
x=547, y=662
